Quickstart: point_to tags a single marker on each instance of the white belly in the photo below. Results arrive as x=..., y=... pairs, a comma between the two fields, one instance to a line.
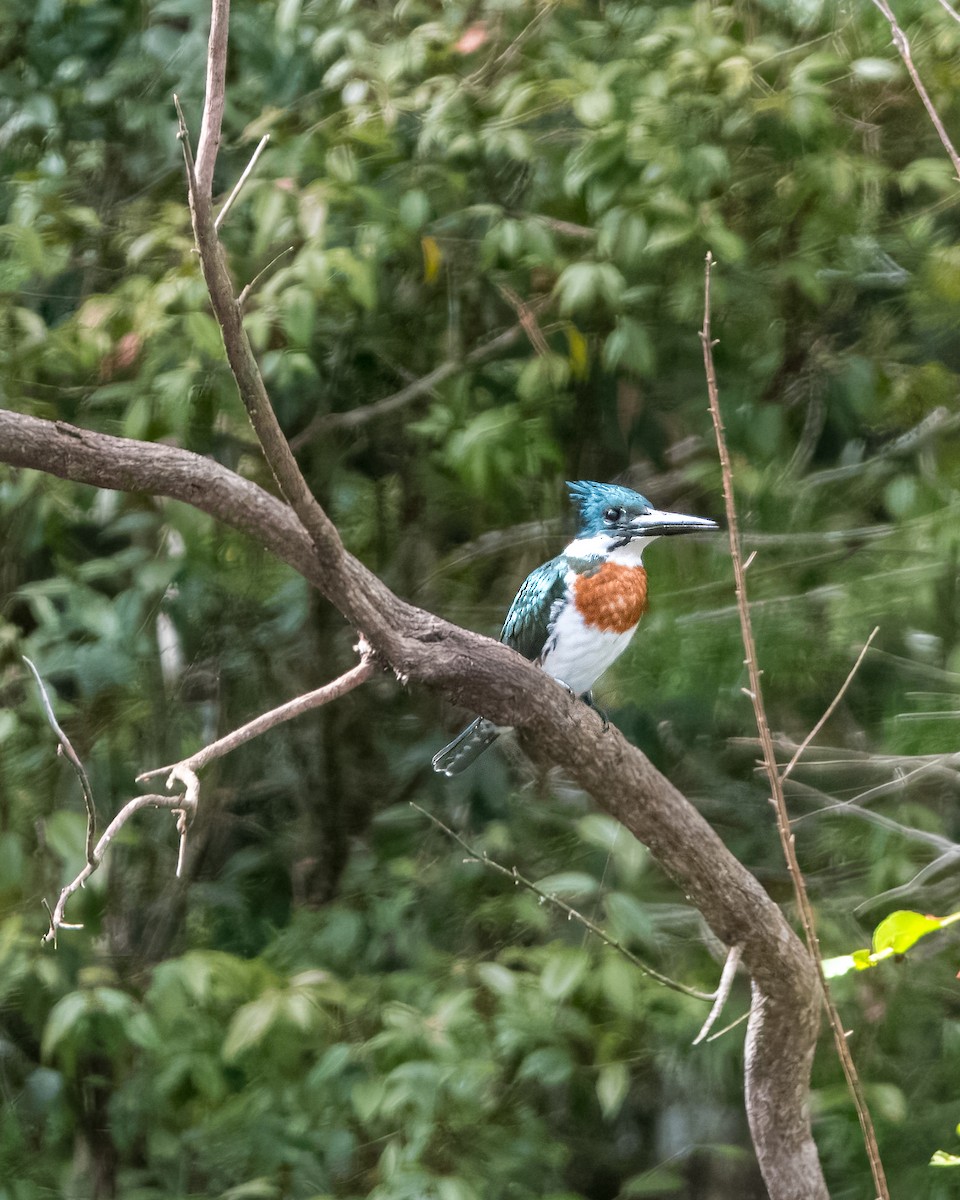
x=578, y=654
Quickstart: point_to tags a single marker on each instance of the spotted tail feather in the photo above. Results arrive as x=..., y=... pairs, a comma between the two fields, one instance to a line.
x=465, y=747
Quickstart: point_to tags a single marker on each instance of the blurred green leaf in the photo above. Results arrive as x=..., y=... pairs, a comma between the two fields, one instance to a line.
x=562, y=972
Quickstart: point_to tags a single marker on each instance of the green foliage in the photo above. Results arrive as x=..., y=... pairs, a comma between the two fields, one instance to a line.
x=333, y=1003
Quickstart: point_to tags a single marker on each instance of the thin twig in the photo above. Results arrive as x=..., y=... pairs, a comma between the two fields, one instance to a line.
x=184, y=137
x=878, y=791
x=950, y=9
x=828, y=807
x=563, y=228
x=269, y=720
x=248, y=288
x=755, y=691
x=726, y=1029
x=903, y=47
x=176, y=803
x=528, y=318
x=831, y=707
x=243, y=364
x=238, y=186
x=513, y=874
x=72, y=758
x=185, y=772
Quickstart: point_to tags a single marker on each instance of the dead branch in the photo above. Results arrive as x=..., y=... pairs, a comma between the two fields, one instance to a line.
x=179, y=804
x=185, y=772
x=215, y=95
x=270, y=720
x=216, y=274
x=903, y=49
x=760, y=1112
x=238, y=186
x=950, y=9
x=722, y=994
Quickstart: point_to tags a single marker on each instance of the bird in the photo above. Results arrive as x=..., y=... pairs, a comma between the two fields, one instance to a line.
x=575, y=615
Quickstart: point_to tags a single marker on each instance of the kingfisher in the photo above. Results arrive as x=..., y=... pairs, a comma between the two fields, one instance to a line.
x=576, y=614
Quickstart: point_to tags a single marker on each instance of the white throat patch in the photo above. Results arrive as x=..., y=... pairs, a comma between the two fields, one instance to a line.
x=599, y=546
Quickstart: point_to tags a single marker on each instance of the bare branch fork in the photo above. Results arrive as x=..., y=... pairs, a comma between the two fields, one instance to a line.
x=184, y=772
x=179, y=804
x=755, y=692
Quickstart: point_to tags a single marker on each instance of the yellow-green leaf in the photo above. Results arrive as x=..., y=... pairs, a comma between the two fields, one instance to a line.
x=900, y=930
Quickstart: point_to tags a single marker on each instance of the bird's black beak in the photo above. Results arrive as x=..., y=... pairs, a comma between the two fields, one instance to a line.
x=665, y=524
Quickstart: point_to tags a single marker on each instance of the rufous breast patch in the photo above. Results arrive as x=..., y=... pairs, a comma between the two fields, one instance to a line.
x=612, y=598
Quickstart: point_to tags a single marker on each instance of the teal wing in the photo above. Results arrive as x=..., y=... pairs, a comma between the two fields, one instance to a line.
x=525, y=628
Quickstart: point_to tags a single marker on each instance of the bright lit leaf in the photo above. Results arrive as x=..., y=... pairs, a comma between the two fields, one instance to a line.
x=900, y=930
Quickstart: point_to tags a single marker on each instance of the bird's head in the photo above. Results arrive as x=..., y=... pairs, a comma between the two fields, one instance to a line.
x=612, y=516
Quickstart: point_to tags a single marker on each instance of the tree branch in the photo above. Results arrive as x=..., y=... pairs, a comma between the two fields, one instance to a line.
x=903, y=48
x=66, y=748
x=185, y=772
x=214, y=96
x=179, y=804
x=227, y=311
x=476, y=672
x=238, y=186
x=270, y=720
x=759, y=1113
x=831, y=707
x=554, y=728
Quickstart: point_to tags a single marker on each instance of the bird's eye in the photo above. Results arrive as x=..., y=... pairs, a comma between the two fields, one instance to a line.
x=613, y=515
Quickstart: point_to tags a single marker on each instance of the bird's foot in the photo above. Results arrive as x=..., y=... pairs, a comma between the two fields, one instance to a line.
x=587, y=698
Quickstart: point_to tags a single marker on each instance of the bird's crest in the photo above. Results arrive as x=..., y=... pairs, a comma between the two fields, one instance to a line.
x=592, y=500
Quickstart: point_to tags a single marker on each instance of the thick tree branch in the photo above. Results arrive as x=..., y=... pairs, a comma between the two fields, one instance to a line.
x=488, y=677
